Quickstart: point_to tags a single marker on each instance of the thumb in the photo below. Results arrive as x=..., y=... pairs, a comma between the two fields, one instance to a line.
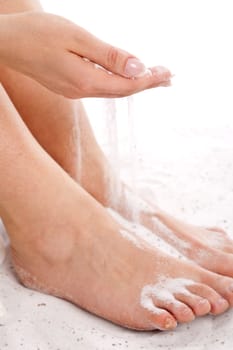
x=121, y=62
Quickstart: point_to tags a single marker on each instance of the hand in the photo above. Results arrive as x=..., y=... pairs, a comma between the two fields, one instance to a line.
x=71, y=61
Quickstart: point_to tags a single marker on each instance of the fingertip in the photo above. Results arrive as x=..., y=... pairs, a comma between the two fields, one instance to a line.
x=161, y=72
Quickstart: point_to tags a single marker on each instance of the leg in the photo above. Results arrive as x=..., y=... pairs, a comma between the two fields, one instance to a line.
x=65, y=243
x=53, y=121
x=61, y=126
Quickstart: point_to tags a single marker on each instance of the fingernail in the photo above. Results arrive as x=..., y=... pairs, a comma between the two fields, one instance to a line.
x=134, y=68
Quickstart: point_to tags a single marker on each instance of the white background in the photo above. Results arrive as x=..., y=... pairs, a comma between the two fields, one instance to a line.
x=192, y=38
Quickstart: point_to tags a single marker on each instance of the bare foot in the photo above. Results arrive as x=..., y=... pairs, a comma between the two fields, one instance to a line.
x=67, y=245
x=211, y=248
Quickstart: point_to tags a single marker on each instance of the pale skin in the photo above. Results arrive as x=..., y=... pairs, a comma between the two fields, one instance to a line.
x=50, y=49
x=63, y=240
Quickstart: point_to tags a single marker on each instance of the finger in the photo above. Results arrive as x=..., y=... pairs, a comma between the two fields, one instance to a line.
x=89, y=81
x=112, y=58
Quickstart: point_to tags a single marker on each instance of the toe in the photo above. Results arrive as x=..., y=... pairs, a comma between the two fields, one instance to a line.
x=215, y=260
x=162, y=320
x=200, y=306
x=217, y=303
x=221, y=284
x=181, y=312
x=220, y=239
x=225, y=288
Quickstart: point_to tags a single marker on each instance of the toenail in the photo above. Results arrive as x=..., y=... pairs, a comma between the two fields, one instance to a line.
x=170, y=324
x=203, y=302
x=186, y=311
x=221, y=302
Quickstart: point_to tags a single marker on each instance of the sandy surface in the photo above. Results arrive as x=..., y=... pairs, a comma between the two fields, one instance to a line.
x=195, y=184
